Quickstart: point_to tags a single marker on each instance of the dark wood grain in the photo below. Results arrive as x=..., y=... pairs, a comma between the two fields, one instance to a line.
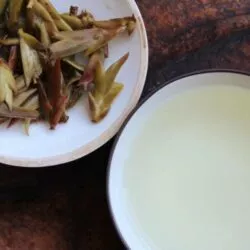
x=65, y=208
x=178, y=27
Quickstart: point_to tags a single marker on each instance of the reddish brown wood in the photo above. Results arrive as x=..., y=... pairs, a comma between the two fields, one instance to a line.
x=177, y=27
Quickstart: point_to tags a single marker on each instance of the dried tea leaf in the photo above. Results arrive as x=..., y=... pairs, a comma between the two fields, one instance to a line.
x=73, y=11
x=106, y=90
x=12, y=122
x=113, y=70
x=89, y=73
x=9, y=97
x=31, y=40
x=26, y=126
x=89, y=40
x=67, y=48
x=73, y=92
x=102, y=39
x=6, y=76
x=9, y=41
x=73, y=21
x=74, y=96
x=3, y=4
x=74, y=64
x=113, y=93
x=3, y=120
x=32, y=67
x=15, y=7
x=59, y=111
x=56, y=94
x=87, y=19
x=73, y=80
x=23, y=97
x=44, y=103
x=20, y=84
x=32, y=103
x=45, y=39
x=60, y=23
x=115, y=22
x=100, y=108
x=7, y=84
x=13, y=58
x=2, y=92
x=20, y=113
x=39, y=10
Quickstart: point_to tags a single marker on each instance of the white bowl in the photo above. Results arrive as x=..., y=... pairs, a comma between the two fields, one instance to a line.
x=79, y=136
x=128, y=217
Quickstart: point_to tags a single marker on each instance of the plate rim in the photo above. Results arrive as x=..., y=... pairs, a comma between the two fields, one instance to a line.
x=128, y=119
x=115, y=126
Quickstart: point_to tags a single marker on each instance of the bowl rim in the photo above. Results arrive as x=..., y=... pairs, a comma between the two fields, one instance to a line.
x=115, y=126
x=129, y=118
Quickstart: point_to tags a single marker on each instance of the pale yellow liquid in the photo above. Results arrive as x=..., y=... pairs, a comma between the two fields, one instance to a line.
x=187, y=181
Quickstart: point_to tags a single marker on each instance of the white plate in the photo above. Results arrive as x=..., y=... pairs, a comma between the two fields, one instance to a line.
x=123, y=202
x=79, y=136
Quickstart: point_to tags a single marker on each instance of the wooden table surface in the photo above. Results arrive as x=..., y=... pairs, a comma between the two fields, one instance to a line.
x=65, y=208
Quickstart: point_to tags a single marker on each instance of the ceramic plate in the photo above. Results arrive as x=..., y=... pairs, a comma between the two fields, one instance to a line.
x=127, y=189
x=79, y=136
